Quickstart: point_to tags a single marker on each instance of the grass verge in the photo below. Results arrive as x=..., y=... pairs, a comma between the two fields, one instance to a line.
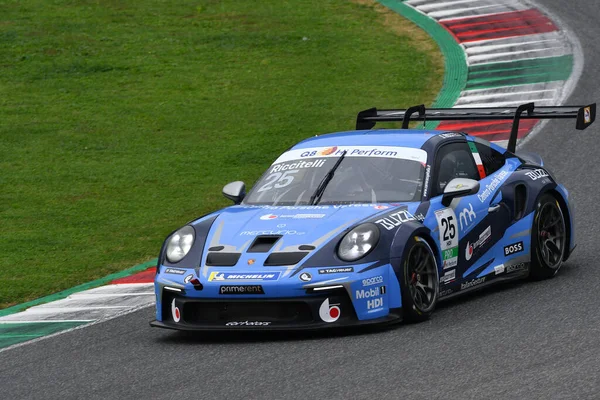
x=121, y=120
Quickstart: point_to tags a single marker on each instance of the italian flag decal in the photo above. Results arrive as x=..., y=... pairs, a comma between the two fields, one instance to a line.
x=477, y=158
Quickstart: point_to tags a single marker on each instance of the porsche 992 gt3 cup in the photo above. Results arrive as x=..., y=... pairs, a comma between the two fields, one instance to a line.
x=370, y=226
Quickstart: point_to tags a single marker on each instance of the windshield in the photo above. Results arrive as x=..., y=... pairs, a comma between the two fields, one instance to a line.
x=367, y=174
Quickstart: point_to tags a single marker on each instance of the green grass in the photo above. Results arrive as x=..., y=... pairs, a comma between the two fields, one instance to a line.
x=122, y=120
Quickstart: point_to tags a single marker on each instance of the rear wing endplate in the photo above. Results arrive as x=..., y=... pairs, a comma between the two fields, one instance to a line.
x=585, y=116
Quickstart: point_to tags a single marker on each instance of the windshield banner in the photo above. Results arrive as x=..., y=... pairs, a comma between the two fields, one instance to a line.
x=405, y=153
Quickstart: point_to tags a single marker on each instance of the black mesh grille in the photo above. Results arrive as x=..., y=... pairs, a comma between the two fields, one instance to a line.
x=214, y=312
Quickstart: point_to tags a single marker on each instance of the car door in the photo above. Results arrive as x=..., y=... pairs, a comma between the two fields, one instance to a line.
x=464, y=226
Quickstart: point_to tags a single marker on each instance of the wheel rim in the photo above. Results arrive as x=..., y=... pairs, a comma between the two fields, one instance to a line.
x=422, y=277
x=551, y=235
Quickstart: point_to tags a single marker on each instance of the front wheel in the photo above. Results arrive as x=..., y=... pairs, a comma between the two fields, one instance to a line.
x=420, y=281
x=548, y=238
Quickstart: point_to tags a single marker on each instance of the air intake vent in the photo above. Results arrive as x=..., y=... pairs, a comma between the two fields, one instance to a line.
x=222, y=259
x=292, y=258
x=263, y=244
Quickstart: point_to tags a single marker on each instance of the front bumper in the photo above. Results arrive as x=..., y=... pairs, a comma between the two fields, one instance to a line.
x=298, y=313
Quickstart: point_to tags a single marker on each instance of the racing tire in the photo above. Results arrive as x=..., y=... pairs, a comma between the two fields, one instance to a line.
x=548, y=238
x=419, y=281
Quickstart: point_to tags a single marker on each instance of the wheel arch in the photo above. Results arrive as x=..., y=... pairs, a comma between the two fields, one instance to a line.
x=564, y=207
x=408, y=230
x=568, y=221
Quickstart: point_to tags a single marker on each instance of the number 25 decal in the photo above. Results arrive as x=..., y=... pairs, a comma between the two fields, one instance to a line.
x=278, y=180
x=449, y=228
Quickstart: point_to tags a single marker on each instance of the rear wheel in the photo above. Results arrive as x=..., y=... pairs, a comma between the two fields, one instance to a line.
x=420, y=281
x=548, y=238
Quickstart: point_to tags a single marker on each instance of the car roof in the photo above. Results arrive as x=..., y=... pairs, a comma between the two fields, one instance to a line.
x=413, y=138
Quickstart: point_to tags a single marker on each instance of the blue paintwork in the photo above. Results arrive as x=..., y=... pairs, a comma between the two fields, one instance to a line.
x=236, y=227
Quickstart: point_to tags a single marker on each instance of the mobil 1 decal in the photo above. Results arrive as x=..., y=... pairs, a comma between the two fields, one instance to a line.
x=446, y=219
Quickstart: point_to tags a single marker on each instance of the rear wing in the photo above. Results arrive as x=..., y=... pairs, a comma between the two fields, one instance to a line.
x=585, y=116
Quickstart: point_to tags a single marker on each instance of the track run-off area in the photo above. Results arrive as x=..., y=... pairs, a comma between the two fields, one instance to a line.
x=523, y=340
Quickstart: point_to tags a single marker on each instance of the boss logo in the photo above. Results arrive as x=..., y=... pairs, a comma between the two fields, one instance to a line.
x=513, y=248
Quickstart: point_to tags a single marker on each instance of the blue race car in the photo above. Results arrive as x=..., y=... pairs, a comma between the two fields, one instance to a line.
x=370, y=226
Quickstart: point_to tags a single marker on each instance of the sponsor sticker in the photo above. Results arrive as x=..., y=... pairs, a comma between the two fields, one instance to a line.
x=329, y=312
x=175, y=312
x=372, y=281
x=373, y=295
x=515, y=267
x=248, y=323
x=446, y=219
x=483, y=238
x=467, y=215
x=342, y=270
x=448, y=135
x=375, y=304
x=472, y=283
x=292, y=216
x=241, y=289
x=395, y=219
x=368, y=293
x=450, y=257
x=188, y=278
x=513, y=248
x=427, y=177
x=449, y=276
x=406, y=153
x=272, y=232
x=243, y=276
x=498, y=269
x=175, y=271
x=492, y=185
x=295, y=166
x=536, y=174
x=305, y=277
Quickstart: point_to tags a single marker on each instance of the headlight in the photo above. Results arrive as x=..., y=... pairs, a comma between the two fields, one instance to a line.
x=180, y=244
x=358, y=242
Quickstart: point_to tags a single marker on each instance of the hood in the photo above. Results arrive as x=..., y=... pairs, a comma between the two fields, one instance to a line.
x=266, y=244
x=237, y=227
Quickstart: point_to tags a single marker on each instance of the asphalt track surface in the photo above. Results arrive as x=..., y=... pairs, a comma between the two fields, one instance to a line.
x=523, y=340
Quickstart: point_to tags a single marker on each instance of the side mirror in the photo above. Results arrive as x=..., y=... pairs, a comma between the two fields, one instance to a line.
x=459, y=187
x=235, y=191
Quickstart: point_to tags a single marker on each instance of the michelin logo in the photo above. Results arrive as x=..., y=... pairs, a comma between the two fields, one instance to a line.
x=242, y=276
